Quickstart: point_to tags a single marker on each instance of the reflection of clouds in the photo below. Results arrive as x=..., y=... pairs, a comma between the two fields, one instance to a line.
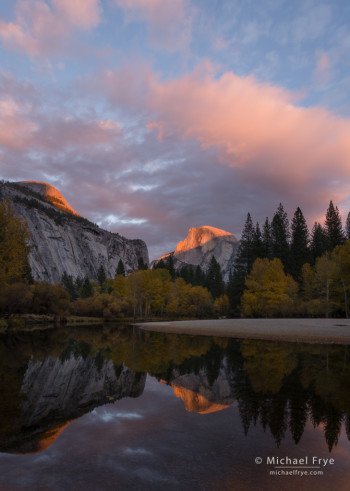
x=108, y=416
x=44, y=458
x=137, y=451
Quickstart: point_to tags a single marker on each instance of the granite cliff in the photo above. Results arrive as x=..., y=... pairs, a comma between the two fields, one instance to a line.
x=62, y=241
x=201, y=244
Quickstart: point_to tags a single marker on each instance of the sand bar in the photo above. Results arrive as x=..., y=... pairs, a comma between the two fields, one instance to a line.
x=295, y=330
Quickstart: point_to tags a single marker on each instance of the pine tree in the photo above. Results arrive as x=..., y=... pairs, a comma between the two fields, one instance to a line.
x=170, y=267
x=199, y=277
x=86, y=289
x=246, y=255
x=318, y=243
x=280, y=236
x=68, y=284
x=333, y=227
x=159, y=265
x=78, y=283
x=257, y=243
x=120, y=268
x=243, y=262
x=347, y=227
x=214, y=281
x=234, y=289
x=141, y=265
x=266, y=240
x=299, y=246
x=184, y=273
x=101, y=277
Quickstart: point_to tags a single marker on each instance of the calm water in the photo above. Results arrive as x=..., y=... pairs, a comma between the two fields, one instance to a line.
x=123, y=409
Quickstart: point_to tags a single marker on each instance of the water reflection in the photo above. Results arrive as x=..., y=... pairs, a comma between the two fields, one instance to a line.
x=52, y=377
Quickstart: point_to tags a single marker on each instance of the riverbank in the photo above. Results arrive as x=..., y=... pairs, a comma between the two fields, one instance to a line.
x=294, y=330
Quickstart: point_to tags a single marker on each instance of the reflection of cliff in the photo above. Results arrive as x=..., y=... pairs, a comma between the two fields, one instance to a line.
x=56, y=391
x=280, y=386
x=199, y=395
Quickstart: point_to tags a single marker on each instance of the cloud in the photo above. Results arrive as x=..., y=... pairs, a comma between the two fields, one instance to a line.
x=323, y=69
x=16, y=126
x=201, y=149
x=263, y=147
x=255, y=126
x=42, y=29
x=311, y=23
x=82, y=14
x=169, y=22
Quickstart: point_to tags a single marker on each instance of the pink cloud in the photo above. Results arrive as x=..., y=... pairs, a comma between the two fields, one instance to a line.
x=83, y=14
x=255, y=127
x=170, y=22
x=323, y=68
x=24, y=128
x=16, y=126
x=40, y=29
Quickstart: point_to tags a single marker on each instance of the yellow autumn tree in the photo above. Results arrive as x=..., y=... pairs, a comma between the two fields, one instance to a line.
x=222, y=305
x=341, y=271
x=326, y=280
x=179, y=303
x=269, y=291
x=14, y=236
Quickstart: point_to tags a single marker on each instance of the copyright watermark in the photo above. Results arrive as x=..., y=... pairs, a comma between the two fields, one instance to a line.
x=291, y=466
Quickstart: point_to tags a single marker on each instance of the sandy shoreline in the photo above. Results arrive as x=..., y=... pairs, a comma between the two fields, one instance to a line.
x=294, y=330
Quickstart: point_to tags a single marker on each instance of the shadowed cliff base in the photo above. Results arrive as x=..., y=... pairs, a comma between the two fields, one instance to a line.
x=295, y=330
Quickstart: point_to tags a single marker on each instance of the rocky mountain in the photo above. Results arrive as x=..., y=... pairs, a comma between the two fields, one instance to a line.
x=201, y=244
x=64, y=242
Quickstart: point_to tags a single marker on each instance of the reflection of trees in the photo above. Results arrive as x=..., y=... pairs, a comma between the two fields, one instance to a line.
x=292, y=383
x=298, y=409
x=278, y=385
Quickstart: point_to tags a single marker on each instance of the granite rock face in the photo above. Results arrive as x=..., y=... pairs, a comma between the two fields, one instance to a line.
x=62, y=241
x=201, y=244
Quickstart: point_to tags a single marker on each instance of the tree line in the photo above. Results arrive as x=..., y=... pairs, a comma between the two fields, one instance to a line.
x=283, y=269
x=280, y=269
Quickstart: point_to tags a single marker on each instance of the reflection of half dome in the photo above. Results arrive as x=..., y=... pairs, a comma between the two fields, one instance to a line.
x=202, y=395
x=195, y=402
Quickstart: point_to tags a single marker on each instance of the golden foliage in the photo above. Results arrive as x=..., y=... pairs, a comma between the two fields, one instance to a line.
x=14, y=236
x=270, y=292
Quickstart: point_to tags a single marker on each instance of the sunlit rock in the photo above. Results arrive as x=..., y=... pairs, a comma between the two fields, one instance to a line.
x=51, y=194
x=201, y=244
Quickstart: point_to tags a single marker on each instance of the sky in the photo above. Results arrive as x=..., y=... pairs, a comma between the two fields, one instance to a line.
x=154, y=116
